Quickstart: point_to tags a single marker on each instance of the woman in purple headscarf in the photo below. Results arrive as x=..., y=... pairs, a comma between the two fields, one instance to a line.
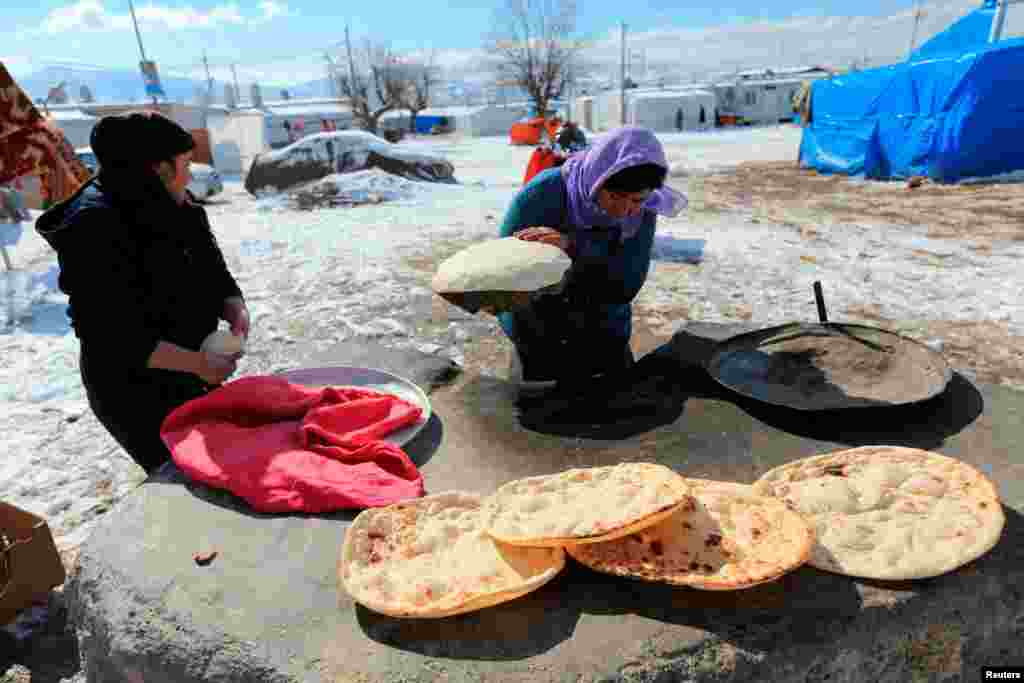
x=601, y=207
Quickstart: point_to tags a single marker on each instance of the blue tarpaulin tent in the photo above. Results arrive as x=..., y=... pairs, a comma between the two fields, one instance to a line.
x=954, y=110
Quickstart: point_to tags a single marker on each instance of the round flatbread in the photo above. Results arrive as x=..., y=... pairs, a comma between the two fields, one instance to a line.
x=430, y=557
x=223, y=342
x=498, y=273
x=890, y=512
x=587, y=505
x=728, y=539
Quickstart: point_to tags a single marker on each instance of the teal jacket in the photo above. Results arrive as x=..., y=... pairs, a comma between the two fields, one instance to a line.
x=606, y=275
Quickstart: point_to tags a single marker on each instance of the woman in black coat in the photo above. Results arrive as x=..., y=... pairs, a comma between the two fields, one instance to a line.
x=146, y=281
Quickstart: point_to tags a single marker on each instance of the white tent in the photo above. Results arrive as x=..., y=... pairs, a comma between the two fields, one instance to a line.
x=492, y=120
x=583, y=111
x=607, y=111
x=664, y=111
x=76, y=124
x=236, y=137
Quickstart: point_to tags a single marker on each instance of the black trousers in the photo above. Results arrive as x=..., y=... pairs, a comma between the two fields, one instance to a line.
x=555, y=342
x=133, y=405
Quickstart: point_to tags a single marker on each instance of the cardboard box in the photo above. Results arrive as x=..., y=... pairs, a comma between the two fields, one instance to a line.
x=29, y=564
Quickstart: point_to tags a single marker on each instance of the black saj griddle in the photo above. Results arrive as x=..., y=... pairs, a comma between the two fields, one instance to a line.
x=828, y=366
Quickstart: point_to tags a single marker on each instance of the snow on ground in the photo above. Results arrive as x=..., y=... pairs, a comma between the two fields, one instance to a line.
x=724, y=148
x=313, y=278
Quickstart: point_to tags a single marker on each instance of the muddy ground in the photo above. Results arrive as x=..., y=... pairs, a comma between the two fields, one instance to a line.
x=780, y=192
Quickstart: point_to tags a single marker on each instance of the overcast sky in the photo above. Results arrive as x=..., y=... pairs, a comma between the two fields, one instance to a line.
x=277, y=41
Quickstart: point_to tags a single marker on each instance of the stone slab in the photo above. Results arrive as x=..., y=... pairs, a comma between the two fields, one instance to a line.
x=268, y=608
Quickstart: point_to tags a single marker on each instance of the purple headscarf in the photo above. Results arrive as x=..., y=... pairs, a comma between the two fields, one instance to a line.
x=585, y=173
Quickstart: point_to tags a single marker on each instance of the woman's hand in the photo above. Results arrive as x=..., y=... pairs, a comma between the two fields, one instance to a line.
x=546, y=236
x=236, y=314
x=214, y=368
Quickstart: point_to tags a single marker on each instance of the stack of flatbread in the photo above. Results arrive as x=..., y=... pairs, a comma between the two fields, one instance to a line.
x=500, y=274
x=453, y=552
x=890, y=512
x=882, y=512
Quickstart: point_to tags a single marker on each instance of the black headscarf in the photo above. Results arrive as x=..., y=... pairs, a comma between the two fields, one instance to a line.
x=126, y=147
x=129, y=141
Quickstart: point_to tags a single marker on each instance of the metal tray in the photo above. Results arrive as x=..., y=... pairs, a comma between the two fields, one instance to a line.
x=369, y=378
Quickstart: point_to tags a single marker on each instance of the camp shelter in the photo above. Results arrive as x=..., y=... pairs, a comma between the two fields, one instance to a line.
x=665, y=111
x=478, y=121
x=584, y=111
x=236, y=137
x=75, y=124
x=311, y=113
x=607, y=111
x=953, y=111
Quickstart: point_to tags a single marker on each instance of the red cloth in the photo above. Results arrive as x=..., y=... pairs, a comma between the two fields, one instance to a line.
x=290, y=448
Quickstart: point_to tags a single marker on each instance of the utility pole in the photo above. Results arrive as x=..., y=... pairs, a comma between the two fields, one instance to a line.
x=351, y=65
x=209, y=78
x=622, y=78
x=917, y=20
x=209, y=90
x=238, y=93
x=569, y=91
x=332, y=84
x=138, y=37
x=996, y=32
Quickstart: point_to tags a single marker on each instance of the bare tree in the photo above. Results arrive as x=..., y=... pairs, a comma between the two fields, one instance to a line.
x=532, y=42
x=375, y=83
x=422, y=78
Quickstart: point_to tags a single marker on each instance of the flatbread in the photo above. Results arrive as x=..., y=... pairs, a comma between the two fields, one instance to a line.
x=223, y=342
x=728, y=540
x=890, y=512
x=430, y=558
x=497, y=273
x=587, y=505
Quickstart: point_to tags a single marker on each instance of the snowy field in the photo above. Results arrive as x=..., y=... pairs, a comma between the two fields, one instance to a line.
x=313, y=278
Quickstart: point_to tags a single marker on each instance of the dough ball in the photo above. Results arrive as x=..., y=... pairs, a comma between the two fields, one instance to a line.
x=223, y=342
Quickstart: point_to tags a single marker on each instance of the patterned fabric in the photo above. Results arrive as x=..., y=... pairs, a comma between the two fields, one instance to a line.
x=30, y=144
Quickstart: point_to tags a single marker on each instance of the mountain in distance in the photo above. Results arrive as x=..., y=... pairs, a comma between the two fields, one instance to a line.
x=108, y=85
x=449, y=90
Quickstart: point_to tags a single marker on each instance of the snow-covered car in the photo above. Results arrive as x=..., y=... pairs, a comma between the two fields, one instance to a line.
x=206, y=182
x=323, y=154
